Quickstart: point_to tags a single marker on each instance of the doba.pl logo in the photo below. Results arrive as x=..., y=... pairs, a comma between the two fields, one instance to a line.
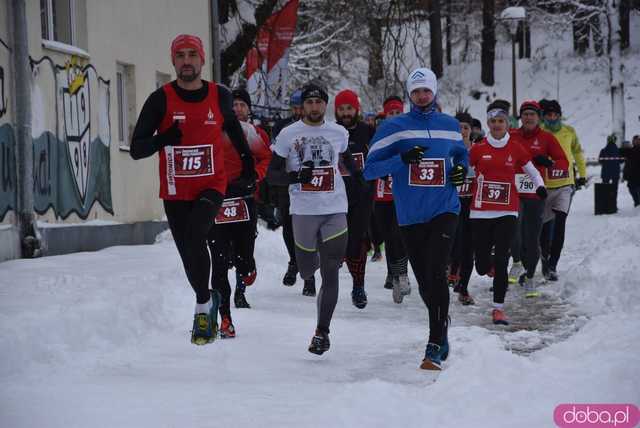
x=596, y=415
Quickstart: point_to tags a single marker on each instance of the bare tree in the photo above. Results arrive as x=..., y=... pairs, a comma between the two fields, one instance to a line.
x=488, y=54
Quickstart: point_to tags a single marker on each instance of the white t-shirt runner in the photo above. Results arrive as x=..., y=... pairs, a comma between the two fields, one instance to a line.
x=319, y=147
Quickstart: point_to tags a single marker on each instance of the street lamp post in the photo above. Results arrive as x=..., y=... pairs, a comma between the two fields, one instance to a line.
x=512, y=16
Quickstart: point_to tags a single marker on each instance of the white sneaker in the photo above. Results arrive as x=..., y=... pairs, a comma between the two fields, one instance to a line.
x=396, y=293
x=514, y=273
x=405, y=287
x=530, y=288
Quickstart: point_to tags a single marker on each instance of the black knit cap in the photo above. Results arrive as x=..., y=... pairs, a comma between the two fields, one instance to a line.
x=550, y=106
x=499, y=105
x=243, y=95
x=464, y=117
x=313, y=90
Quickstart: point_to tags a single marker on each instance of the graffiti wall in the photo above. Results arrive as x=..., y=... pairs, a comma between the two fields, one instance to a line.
x=7, y=143
x=71, y=137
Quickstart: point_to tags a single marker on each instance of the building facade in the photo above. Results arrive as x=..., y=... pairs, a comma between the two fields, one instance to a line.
x=93, y=63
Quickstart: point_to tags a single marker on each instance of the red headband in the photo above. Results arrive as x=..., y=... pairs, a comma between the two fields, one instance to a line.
x=392, y=105
x=187, y=41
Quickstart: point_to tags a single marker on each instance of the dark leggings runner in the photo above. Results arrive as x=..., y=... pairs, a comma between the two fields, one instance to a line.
x=429, y=245
x=190, y=222
x=232, y=244
x=321, y=241
x=282, y=198
x=525, y=245
x=358, y=219
x=462, y=253
x=496, y=233
x=552, y=238
x=387, y=224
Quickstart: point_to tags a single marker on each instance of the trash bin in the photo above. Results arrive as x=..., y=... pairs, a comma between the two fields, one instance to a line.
x=606, y=198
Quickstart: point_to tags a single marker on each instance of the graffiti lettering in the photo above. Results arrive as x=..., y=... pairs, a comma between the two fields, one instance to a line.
x=7, y=170
x=42, y=172
x=77, y=129
x=3, y=101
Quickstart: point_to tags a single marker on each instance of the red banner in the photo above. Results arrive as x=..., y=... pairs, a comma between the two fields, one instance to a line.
x=274, y=38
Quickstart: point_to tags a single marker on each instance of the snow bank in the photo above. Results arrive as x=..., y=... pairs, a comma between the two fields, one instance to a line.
x=101, y=339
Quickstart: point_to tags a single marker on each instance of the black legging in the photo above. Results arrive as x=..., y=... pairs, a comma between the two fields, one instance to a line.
x=552, y=238
x=387, y=224
x=281, y=195
x=375, y=232
x=190, y=222
x=232, y=244
x=358, y=218
x=497, y=234
x=428, y=246
x=462, y=252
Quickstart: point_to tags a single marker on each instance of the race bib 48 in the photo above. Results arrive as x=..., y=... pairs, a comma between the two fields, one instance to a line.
x=233, y=210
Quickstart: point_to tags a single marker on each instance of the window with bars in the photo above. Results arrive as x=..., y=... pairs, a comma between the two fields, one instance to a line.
x=126, y=103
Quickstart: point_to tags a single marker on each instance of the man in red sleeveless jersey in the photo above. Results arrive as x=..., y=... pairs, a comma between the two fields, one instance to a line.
x=183, y=121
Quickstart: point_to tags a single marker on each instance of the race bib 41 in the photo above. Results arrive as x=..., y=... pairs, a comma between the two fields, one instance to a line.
x=322, y=180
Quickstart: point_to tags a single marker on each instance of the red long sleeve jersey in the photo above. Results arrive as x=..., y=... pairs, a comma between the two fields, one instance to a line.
x=494, y=187
x=259, y=148
x=541, y=142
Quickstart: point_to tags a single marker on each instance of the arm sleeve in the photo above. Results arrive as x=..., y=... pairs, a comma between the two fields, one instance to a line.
x=233, y=128
x=262, y=154
x=578, y=155
x=349, y=163
x=473, y=156
x=533, y=172
x=460, y=154
x=384, y=158
x=277, y=171
x=557, y=154
x=143, y=142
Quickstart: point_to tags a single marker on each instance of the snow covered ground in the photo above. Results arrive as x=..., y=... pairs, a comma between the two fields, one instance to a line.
x=102, y=340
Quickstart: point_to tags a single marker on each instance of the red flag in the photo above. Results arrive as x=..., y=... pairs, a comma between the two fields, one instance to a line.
x=274, y=38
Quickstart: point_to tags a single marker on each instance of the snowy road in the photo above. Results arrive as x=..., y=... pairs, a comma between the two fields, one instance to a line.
x=101, y=340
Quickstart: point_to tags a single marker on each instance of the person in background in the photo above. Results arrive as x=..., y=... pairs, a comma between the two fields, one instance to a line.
x=477, y=134
x=631, y=172
x=370, y=119
x=610, y=160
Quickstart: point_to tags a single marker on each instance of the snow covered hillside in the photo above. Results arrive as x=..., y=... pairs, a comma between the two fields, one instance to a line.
x=102, y=340
x=580, y=83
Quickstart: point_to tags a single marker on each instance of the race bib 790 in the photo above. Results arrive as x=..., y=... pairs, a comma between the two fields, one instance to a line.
x=524, y=184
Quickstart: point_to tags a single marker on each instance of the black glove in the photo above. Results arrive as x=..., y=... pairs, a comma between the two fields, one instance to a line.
x=248, y=164
x=170, y=137
x=457, y=175
x=304, y=176
x=541, y=192
x=241, y=186
x=580, y=182
x=413, y=155
x=542, y=160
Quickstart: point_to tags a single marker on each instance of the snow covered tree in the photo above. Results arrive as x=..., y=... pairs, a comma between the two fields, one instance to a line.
x=488, y=43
